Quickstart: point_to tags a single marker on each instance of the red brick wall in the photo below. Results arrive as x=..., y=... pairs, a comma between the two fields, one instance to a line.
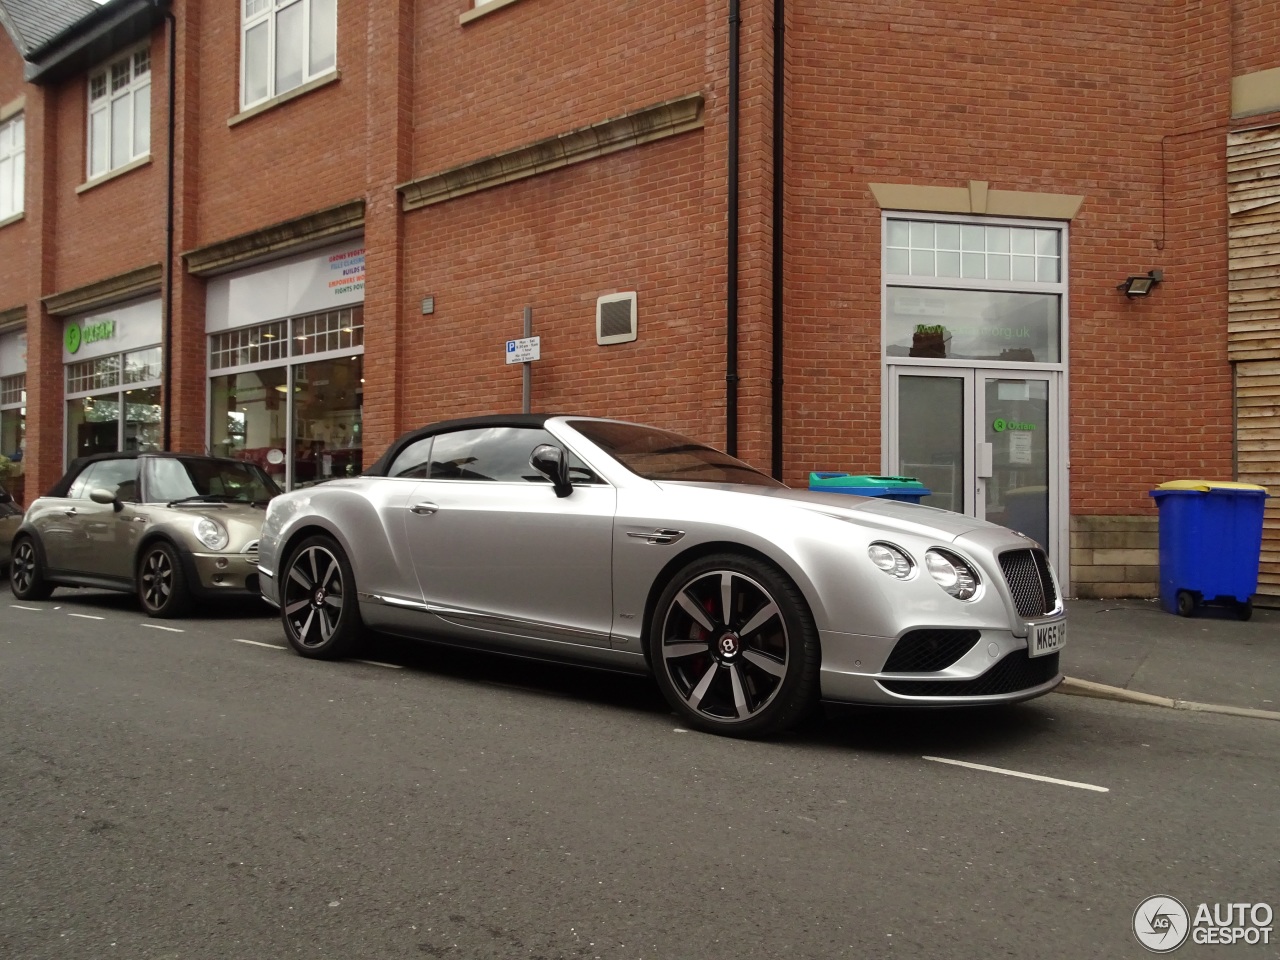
x=631, y=221
x=15, y=270
x=1029, y=97
x=118, y=225
x=541, y=67
x=1255, y=35
x=304, y=155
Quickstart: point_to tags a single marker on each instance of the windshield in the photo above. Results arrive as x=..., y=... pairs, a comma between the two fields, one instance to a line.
x=660, y=455
x=200, y=478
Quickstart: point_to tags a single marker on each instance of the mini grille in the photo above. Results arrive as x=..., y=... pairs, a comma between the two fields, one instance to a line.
x=1027, y=573
x=1015, y=672
x=251, y=551
x=925, y=651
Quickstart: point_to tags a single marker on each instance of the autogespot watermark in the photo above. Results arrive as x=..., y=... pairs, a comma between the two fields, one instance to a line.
x=1162, y=924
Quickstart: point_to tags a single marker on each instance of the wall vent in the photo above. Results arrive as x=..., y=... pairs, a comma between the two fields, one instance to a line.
x=616, y=318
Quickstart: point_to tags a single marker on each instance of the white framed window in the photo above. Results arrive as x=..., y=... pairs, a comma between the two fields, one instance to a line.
x=284, y=44
x=12, y=167
x=119, y=112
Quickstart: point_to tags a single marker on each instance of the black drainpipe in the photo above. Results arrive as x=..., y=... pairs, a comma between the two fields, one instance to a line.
x=779, y=73
x=731, y=376
x=167, y=319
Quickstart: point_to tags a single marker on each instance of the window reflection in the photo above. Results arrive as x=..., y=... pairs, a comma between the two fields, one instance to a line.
x=327, y=419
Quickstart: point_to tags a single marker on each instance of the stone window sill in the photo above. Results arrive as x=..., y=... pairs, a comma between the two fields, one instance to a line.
x=112, y=174
x=484, y=9
x=249, y=113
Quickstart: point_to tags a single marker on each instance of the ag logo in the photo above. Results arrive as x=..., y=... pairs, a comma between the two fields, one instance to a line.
x=72, y=338
x=1161, y=924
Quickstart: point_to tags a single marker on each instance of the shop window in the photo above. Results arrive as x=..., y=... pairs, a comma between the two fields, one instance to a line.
x=959, y=290
x=297, y=410
x=113, y=403
x=12, y=167
x=13, y=421
x=284, y=44
x=119, y=113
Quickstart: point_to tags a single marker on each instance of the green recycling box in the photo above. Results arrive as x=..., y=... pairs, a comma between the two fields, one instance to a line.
x=1210, y=544
x=907, y=489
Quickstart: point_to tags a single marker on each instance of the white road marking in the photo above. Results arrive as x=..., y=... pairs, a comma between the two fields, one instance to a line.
x=85, y=616
x=375, y=663
x=1018, y=773
x=156, y=626
x=258, y=643
x=32, y=609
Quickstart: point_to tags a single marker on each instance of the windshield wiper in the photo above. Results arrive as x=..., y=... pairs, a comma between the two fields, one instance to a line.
x=203, y=498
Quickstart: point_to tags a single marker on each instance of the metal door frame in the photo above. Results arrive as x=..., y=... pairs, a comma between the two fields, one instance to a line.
x=974, y=418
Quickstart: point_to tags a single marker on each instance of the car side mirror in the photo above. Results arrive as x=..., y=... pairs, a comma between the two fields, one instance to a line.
x=552, y=462
x=103, y=495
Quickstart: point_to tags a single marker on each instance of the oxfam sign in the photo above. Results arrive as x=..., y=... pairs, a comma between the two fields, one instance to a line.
x=78, y=334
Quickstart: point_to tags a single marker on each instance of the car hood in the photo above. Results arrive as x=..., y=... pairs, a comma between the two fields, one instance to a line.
x=888, y=514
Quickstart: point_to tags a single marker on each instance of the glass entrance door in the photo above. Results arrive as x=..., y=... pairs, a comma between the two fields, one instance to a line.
x=985, y=442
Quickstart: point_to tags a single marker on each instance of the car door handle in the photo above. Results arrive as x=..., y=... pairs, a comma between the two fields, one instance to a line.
x=424, y=509
x=656, y=536
x=70, y=513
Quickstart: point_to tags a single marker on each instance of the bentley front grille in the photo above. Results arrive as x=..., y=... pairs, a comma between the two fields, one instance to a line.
x=1030, y=582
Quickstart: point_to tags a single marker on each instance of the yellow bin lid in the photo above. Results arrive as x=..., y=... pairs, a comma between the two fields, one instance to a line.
x=1204, y=486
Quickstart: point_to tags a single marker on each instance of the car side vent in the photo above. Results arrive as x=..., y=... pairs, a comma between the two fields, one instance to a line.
x=616, y=318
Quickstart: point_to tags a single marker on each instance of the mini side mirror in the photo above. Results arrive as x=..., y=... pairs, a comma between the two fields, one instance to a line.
x=552, y=463
x=103, y=495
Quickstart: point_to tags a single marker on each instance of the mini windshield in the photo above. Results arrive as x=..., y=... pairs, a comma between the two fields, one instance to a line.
x=661, y=455
x=178, y=479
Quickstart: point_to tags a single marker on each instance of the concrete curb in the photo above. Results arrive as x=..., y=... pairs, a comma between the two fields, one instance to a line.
x=1101, y=691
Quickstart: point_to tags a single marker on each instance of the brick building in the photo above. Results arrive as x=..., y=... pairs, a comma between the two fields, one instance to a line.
x=874, y=237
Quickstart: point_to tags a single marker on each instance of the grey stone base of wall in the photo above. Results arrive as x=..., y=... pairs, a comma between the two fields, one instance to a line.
x=1114, y=557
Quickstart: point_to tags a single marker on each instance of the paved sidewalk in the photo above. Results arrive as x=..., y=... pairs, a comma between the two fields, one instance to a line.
x=1211, y=658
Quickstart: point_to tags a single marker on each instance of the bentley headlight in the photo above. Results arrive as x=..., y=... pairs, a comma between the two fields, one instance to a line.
x=211, y=533
x=952, y=574
x=891, y=560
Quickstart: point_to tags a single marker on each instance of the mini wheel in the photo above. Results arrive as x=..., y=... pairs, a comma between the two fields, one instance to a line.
x=1186, y=603
x=26, y=571
x=162, y=586
x=318, y=606
x=734, y=648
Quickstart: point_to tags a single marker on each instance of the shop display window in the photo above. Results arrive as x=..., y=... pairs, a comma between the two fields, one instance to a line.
x=297, y=409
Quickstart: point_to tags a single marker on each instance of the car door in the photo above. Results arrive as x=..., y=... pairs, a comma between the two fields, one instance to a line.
x=496, y=551
x=86, y=538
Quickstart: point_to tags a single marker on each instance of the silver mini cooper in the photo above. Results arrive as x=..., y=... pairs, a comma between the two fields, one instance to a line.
x=174, y=528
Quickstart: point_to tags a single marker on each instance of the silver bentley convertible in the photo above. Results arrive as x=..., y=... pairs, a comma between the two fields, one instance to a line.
x=627, y=547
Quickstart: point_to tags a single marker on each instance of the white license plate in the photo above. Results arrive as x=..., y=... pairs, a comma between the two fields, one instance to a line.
x=1047, y=638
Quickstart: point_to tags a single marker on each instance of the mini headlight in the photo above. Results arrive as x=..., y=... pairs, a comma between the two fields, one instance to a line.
x=211, y=533
x=891, y=560
x=952, y=574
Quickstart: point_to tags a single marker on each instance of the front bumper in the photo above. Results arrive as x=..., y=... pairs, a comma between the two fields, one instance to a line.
x=223, y=574
x=995, y=669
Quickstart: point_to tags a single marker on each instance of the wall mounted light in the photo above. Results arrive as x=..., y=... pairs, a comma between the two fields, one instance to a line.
x=1140, y=286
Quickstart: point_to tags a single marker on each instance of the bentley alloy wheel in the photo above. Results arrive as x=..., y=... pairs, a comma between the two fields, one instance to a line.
x=319, y=609
x=734, y=648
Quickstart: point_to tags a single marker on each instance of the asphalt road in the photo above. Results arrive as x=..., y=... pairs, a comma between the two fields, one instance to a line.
x=191, y=789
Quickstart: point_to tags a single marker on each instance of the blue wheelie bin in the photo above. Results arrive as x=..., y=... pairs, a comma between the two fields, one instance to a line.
x=1210, y=544
x=907, y=489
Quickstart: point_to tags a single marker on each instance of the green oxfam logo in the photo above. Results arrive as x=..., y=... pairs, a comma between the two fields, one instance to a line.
x=1000, y=425
x=89, y=333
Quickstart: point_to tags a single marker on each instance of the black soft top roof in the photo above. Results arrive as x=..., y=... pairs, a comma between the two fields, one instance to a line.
x=379, y=467
x=61, y=488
